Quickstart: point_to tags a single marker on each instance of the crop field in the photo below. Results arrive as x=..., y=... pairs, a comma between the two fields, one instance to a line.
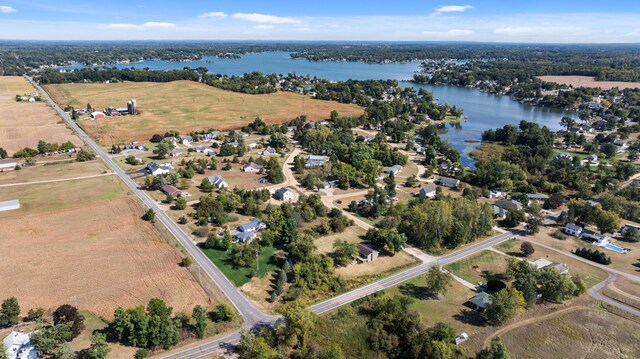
x=83, y=243
x=23, y=124
x=185, y=106
x=587, y=81
x=576, y=334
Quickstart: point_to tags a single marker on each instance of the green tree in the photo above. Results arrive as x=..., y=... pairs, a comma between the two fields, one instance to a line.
x=437, y=281
x=141, y=353
x=206, y=186
x=199, y=316
x=162, y=329
x=333, y=351
x=298, y=164
x=299, y=322
x=99, y=348
x=149, y=215
x=527, y=249
x=223, y=313
x=525, y=280
x=3, y=153
x=554, y=286
x=390, y=185
x=254, y=347
x=61, y=351
x=84, y=156
x=505, y=304
x=48, y=339
x=274, y=170
x=344, y=252
x=497, y=350
x=181, y=203
x=163, y=149
x=606, y=221
x=9, y=312
x=513, y=218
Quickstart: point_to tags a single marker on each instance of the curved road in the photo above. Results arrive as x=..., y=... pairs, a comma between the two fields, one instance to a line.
x=251, y=314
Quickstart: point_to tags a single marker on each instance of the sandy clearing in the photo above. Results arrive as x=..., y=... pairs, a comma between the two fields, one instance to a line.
x=587, y=81
x=97, y=257
x=23, y=124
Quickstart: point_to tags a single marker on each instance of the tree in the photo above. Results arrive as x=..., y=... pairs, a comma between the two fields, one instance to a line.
x=632, y=235
x=48, y=339
x=35, y=313
x=162, y=329
x=84, y=156
x=199, y=315
x=554, y=286
x=525, y=280
x=505, y=304
x=344, y=252
x=527, y=249
x=9, y=312
x=186, y=262
x=156, y=138
x=141, y=353
x=223, y=313
x=437, y=281
x=99, y=348
x=69, y=314
x=534, y=221
x=497, y=350
x=254, y=347
x=206, y=186
x=299, y=322
x=274, y=170
x=3, y=153
x=606, y=221
x=181, y=203
x=163, y=149
x=149, y=215
x=281, y=281
x=131, y=160
x=298, y=164
x=333, y=351
x=513, y=218
x=390, y=185
x=63, y=351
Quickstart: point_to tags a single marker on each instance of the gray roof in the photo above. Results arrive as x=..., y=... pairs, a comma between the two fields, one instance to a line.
x=279, y=193
x=364, y=249
x=509, y=204
x=482, y=299
x=428, y=189
x=244, y=236
x=251, y=226
x=573, y=227
x=450, y=182
x=537, y=196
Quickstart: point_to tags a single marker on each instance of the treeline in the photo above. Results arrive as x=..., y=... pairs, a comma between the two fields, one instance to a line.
x=594, y=255
x=115, y=75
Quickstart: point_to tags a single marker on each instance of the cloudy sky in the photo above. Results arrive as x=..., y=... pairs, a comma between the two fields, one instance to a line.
x=566, y=21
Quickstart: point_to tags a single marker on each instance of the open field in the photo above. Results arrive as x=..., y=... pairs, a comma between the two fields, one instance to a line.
x=587, y=81
x=22, y=124
x=85, y=244
x=577, y=334
x=479, y=267
x=53, y=171
x=240, y=275
x=185, y=106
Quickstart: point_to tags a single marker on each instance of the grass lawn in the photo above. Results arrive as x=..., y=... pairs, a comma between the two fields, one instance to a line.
x=186, y=106
x=480, y=267
x=510, y=246
x=240, y=275
x=54, y=171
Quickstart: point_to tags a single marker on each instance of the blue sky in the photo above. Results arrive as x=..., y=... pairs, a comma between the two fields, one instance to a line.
x=401, y=20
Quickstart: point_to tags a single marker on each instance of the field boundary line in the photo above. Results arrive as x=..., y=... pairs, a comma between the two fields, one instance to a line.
x=56, y=180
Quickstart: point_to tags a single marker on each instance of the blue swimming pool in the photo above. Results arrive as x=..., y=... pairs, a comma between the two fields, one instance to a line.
x=615, y=248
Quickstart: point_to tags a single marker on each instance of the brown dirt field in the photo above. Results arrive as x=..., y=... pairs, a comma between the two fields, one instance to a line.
x=23, y=124
x=185, y=106
x=587, y=81
x=579, y=334
x=74, y=256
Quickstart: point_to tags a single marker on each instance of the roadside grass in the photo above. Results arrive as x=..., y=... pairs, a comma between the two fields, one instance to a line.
x=578, y=334
x=509, y=246
x=240, y=275
x=352, y=234
x=348, y=329
x=44, y=171
x=479, y=267
x=608, y=292
x=186, y=106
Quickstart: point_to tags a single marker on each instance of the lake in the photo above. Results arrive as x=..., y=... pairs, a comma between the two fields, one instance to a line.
x=484, y=111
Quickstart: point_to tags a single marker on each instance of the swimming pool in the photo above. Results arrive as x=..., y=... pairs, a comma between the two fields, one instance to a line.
x=615, y=248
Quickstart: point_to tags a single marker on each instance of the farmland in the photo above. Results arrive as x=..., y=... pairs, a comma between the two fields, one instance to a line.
x=587, y=81
x=83, y=243
x=185, y=106
x=23, y=124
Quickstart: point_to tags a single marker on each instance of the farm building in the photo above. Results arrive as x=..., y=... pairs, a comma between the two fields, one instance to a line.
x=366, y=253
x=283, y=194
x=96, y=115
x=8, y=163
x=9, y=205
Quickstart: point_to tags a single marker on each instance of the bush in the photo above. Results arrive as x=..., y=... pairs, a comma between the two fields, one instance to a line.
x=84, y=156
x=186, y=262
x=141, y=353
x=594, y=255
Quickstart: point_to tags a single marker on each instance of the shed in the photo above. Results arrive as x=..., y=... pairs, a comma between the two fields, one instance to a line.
x=8, y=163
x=480, y=301
x=367, y=254
x=9, y=205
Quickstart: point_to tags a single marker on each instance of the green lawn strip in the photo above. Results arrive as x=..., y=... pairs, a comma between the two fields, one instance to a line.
x=479, y=267
x=240, y=275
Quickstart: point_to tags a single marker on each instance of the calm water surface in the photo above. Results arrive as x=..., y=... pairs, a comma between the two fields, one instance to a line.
x=484, y=110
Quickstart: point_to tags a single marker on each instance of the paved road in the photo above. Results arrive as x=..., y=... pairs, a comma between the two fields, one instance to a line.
x=251, y=314
x=595, y=293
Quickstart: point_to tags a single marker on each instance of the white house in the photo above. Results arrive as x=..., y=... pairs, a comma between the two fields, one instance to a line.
x=218, y=181
x=394, y=170
x=252, y=167
x=366, y=253
x=283, y=194
x=573, y=230
x=312, y=161
x=156, y=169
x=427, y=192
x=269, y=151
x=176, y=152
x=18, y=346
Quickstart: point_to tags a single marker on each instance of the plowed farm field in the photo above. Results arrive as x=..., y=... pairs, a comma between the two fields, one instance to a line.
x=23, y=124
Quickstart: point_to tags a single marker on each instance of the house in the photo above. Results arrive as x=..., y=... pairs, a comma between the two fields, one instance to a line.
x=419, y=149
x=269, y=151
x=564, y=156
x=627, y=227
x=312, y=161
x=176, y=152
x=573, y=230
x=508, y=204
x=186, y=140
x=600, y=124
x=620, y=143
x=500, y=213
x=96, y=115
x=283, y=194
x=156, y=169
x=366, y=253
x=245, y=237
x=393, y=170
x=480, y=301
x=538, y=197
x=9, y=205
x=591, y=158
x=449, y=182
x=427, y=192
x=8, y=163
x=209, y=152
x=211, y=136
x=544, y=263
x=18, y=346
x=253, y=226
x=172, y=190
x=595, y=237
x=218, y=182
x=252, y=167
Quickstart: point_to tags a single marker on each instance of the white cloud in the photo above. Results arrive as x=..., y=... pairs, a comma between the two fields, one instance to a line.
x=449, y=33
x=213, y=14
x=453, y=8
x=7, y=9
x=146, y=25
x=303, y=29
x=265, y=19
x=263, y=27
x=518, y=30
